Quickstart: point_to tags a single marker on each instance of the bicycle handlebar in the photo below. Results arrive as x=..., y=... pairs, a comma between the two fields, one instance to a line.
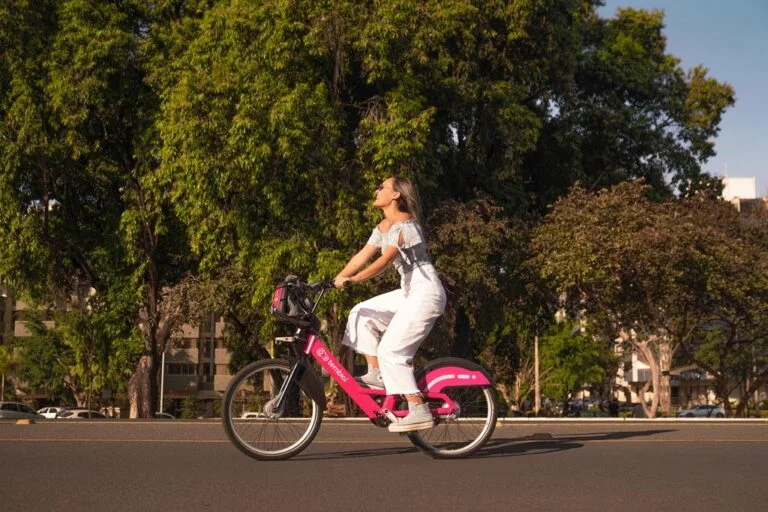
x=321, y=286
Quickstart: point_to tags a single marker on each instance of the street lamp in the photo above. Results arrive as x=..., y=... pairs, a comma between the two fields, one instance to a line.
x=162, y=377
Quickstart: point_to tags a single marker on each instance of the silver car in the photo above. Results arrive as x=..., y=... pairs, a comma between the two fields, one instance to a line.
x=18, y=411
x=703, y=411
x=79, y=414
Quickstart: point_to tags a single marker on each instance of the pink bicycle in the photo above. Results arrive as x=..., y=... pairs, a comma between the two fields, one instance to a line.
x=273, y=408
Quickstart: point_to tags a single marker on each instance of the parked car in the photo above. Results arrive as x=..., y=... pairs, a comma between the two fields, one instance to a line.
x=51, y=412
x=78, y=414
x=702, y=411
x=18, y=411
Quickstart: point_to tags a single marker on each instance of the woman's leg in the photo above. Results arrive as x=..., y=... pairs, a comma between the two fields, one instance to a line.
x=371, y=361
x=368, y=320
x=407, y=330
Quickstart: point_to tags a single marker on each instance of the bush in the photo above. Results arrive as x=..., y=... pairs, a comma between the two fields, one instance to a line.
x=188, y=408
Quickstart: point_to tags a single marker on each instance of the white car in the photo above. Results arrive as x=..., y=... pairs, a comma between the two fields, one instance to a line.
x=703, y=411
x=51, y=412
x=78, y=414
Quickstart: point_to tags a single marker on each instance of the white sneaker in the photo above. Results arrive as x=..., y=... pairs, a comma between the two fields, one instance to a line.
x=419, y=418
x=373, y=379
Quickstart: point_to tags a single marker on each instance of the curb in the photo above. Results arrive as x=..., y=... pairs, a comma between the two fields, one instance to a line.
x=636, y=421
x=499, y=421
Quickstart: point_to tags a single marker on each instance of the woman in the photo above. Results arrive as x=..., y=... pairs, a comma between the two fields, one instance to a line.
x=388, y=329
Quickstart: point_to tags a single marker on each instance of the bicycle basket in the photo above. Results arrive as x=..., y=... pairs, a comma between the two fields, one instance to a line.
x=291, y=304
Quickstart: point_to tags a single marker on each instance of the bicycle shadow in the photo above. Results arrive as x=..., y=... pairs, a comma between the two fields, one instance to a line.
x=501, y=447
x=535, y=445
x=347, y=454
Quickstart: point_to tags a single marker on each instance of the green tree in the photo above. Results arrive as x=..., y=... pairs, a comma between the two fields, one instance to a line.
x=279, y=119
x=78, y=167
x=572, y=360
x=660, y=275
x=226, y=144
x=631, y=111
x=731, y=343
x=65, y=362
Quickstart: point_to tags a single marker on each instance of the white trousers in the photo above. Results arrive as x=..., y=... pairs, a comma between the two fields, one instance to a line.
x=392, y=327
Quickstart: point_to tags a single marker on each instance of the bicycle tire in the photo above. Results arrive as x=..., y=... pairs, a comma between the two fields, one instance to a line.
x=467, y=432
x=252, y=427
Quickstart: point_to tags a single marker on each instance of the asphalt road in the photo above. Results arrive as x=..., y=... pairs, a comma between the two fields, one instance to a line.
x=190, y=465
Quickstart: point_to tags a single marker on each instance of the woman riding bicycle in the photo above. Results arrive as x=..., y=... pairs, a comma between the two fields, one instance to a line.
x=388, y=329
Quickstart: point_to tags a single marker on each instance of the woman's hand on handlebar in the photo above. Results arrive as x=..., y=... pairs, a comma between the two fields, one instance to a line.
x=342, y=282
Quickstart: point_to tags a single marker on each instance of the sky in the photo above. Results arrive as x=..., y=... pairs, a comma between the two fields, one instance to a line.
x=730, y=38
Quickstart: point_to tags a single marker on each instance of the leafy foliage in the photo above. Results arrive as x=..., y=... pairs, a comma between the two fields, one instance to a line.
x=572, y=360
x=678, y=271
x=210, y=148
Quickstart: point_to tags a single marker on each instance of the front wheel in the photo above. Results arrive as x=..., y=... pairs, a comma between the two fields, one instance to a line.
x=467, y=430
x=255, y=425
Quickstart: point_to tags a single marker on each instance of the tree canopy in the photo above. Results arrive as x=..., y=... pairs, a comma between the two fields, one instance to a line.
x=148, y=147
x=661, y=275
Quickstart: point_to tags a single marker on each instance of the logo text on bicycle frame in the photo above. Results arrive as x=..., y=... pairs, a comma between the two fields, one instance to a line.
x=322, y=354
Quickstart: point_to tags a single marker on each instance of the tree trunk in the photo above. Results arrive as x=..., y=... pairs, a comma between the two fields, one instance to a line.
x=142, y=388
x=723, y=392
x=755, y=384
x=462, y=343
x=644, y=348
x=665, y=363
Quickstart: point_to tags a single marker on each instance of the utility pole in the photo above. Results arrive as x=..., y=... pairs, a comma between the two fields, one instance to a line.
x=162, y=377
x=537, y=390
x=213, y=346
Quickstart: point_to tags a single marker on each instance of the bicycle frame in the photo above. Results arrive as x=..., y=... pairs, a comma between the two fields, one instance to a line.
x=432, y=384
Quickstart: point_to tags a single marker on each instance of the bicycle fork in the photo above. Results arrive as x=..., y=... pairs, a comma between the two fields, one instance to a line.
x=302, y=375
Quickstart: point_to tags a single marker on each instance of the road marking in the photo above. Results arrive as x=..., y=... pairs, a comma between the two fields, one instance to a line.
x=577, y=440
x=357, y=441
x=192, y=441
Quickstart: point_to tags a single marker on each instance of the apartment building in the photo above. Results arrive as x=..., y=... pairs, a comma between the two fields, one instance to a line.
x=196, y=364
x=687, y=385
x=742, y=193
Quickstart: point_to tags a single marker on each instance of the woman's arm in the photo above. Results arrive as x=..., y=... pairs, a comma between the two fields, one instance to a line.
x=377, y=267
x=357, y=261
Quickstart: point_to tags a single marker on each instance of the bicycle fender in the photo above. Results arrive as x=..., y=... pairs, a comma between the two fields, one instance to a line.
x=310, y=383
x=450, y=372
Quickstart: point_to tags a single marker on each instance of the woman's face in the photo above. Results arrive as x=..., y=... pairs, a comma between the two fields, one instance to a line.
x=386, y=193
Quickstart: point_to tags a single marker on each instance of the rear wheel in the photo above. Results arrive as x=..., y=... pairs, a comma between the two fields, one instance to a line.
x=464, y=432
x=251, y=420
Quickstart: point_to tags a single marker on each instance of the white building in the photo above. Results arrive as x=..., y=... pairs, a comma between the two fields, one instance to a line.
x=739, y=188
